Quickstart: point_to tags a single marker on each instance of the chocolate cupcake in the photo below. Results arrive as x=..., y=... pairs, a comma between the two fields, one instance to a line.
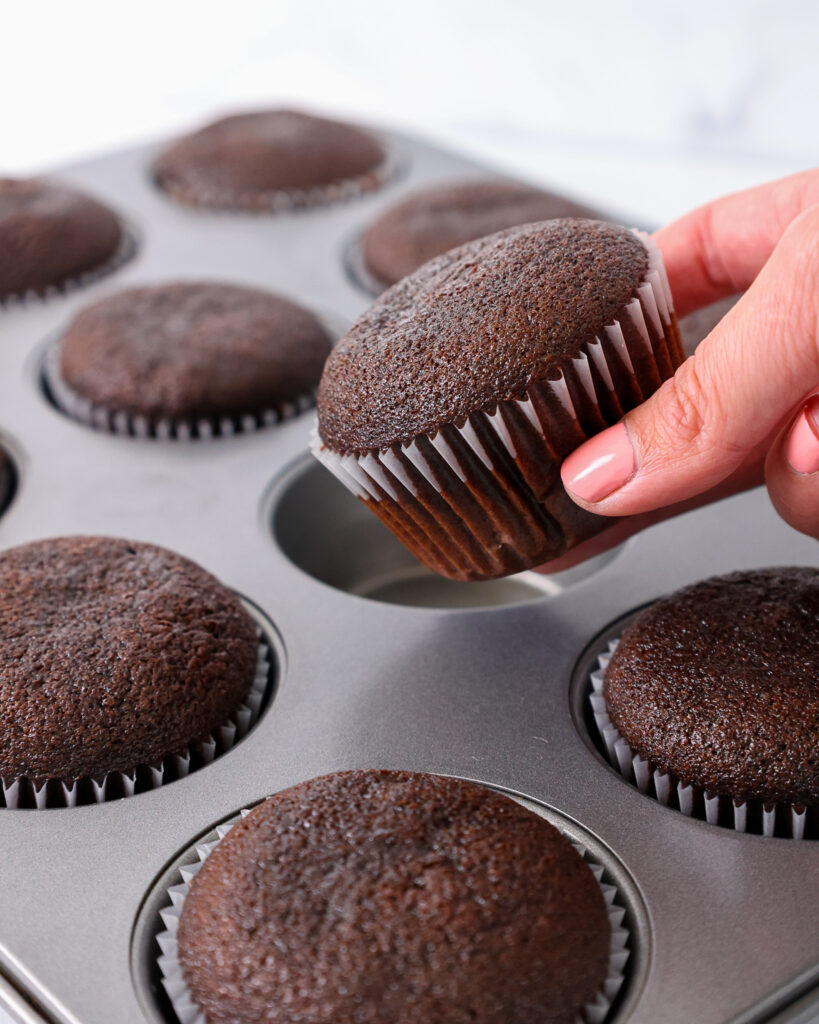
x=194, y=358
x=433, y=221
x=271, y=159
x=52, y=235
x=117, y=660
x=450, y=405
x=409, y=897
x=715, y=690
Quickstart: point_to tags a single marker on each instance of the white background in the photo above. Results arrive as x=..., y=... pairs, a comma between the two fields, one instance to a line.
x=650, y=107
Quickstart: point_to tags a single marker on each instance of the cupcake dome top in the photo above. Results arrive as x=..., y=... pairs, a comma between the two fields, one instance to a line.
x=50, y=234
x=719, y=685
x=473, y=327
x=237, y=160
x=412, y=897
x=113, y=654
x=435, y=220
x=193, y=349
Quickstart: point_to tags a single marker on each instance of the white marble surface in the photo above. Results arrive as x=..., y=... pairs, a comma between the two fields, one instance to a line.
x=650, y=107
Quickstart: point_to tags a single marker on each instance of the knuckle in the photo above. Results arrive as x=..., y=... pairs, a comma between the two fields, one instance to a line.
x=691, y=415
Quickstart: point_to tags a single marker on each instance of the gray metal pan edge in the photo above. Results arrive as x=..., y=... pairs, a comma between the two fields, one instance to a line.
x=482, y=694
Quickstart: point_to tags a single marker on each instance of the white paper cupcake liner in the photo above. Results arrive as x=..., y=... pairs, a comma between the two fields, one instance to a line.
x=126, y=250
x=229, y=201
x=24, y=793
x=188, y=1012
x=776, y=819
x=125, y=424
x=483, y=498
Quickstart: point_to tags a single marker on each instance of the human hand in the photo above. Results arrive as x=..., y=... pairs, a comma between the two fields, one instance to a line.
x=745, y=407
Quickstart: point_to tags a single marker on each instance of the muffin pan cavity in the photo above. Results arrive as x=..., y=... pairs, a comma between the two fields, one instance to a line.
x=8, y=479
x=153, y=945
x=331, y=535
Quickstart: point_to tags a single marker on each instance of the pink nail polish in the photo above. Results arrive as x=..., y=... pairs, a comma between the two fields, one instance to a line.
x=601, y=465
x=802, y=445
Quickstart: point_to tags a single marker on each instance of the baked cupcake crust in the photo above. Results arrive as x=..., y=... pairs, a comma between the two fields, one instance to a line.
x=193, y=349
x=50, y=234
x=473, y=327
x=238, y=161
x=718, y=684
x=388, y=896
x=113, y=654
x=433, y=221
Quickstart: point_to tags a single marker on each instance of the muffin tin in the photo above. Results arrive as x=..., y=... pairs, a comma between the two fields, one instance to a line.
x=379, y=663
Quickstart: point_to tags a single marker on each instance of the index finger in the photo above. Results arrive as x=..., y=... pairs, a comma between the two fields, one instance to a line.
x=718, y=249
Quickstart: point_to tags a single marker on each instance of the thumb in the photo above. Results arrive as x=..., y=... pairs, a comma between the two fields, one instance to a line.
x=725, y=406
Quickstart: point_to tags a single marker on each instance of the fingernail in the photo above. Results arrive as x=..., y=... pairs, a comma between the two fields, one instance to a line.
x=601, y=465
x=802, y=446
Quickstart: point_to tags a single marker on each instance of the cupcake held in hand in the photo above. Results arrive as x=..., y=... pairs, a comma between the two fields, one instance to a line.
x=450, y=405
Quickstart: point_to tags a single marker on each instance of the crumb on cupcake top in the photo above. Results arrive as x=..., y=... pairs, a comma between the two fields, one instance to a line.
x=113, y=654
x=193, y=349
x=411, y=897
x=719, y=685
x=473, y=327
x=50, y=234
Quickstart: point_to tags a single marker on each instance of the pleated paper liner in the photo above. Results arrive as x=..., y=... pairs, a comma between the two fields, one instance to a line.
x=24, y=793
x=188, y=1012
x=126, y=424
x=273, y=201
x=126, y=250
x=784, y=820
x=483, y=498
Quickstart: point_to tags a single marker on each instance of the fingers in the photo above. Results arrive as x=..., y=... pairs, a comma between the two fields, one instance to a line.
x=718, y=249
x=792, y=470
x=724, y=407
x=622, y=529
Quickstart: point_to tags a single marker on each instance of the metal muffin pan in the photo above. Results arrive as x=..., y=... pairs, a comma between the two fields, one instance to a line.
x=724, y=924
